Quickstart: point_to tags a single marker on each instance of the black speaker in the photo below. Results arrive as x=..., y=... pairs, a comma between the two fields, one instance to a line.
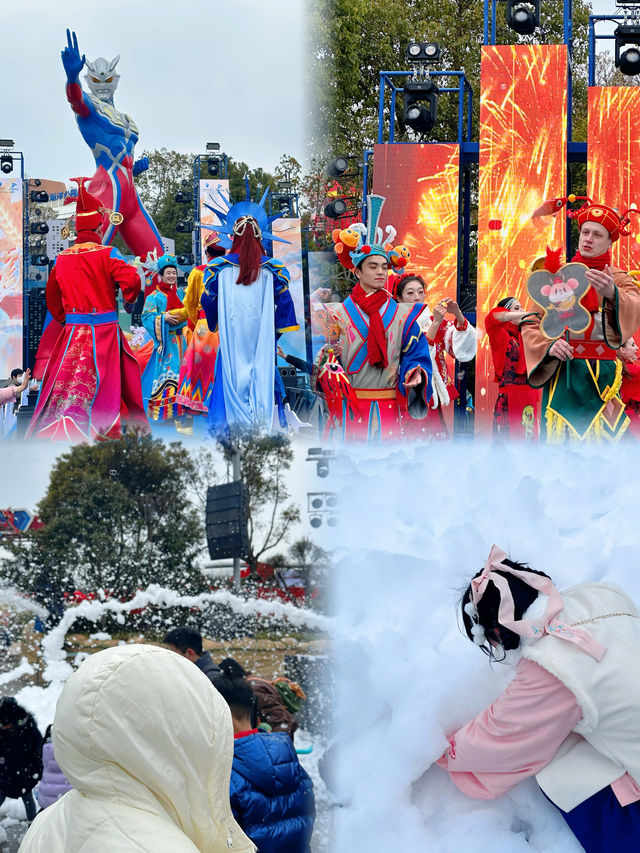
x=226, y=521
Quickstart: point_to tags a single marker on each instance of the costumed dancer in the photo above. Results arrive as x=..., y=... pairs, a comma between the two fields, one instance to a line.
x=516, y=411
x=570, y=715
x=630, y=388
x=382, y=367
x=247, y=301
x=164, y=318
x=196, y=373
x=577, y=370
x=91, y=382
x=456, y=339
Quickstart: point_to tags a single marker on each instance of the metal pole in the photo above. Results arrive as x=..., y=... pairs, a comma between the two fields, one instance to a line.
x=237, y=475
x=381, y=108
x=196, y=211
x=592, y=52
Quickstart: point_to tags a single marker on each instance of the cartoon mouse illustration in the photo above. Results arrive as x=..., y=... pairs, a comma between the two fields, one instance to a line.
x=561, y=294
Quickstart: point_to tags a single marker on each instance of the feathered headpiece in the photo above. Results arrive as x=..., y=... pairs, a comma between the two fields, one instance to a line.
x=229, y=213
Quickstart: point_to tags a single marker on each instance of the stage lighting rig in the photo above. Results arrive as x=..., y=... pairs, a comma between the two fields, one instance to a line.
x=184, y=226
x=38, y=196
x=183, y=197
x=39, y=260
x=420, y=104
x=627, y=55
x=336, y=209
x=39, y=228
x=213, y=166
x=6, y=163
x=337, y=167
x=423, y=51
x=523, y=17
x=185, y=260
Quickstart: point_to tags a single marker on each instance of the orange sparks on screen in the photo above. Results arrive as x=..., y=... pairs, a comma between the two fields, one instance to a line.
x=523, y=140
x=613, y=151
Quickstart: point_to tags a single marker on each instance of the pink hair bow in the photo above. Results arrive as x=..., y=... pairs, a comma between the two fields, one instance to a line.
x=535, y=628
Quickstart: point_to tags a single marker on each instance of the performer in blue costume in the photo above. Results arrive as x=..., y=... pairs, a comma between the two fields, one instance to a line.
x=163, y=316
x=376, y=372
x=247, y=300
x=111, y=136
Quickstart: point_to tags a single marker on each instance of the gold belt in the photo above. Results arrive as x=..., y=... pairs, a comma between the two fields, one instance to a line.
x=375, y=393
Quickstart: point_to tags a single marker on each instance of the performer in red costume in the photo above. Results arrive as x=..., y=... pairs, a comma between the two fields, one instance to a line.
x=92, y=380
x=516, y=411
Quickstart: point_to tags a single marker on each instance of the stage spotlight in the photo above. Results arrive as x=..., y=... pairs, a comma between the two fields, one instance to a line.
x=39, y=196
x=335, y=209
x=39, y=260
x=420, y=104
x=183, y=197
x=522, y=17
x=337, y=167
x=213, y=166
x=6, y=163
x=627, y=56
x=185, y=226
x=39, y=228
x=423, y=51
x=185, y=260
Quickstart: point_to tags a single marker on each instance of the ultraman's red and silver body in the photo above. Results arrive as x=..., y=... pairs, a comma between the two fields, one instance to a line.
x=111, y=136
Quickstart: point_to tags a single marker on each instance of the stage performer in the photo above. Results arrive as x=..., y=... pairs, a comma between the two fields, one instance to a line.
x=91, y=382
x=164, y=318
x=516, y=411
x=382, y=367
x=247, y=301
x=570, y=714
x=586, y=405
x=456, y=338
x=196, y=373
x=112, y=137
x=630, y=389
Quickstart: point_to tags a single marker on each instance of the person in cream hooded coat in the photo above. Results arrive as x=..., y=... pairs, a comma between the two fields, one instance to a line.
x=147, y=743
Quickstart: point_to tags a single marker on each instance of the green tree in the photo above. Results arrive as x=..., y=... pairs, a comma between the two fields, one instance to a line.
x=116, y=517
x=353, y=40
x=168, y=173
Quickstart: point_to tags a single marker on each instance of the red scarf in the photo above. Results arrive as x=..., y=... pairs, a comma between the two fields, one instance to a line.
x=170, y=291
x=590, y=299
x=371, y=303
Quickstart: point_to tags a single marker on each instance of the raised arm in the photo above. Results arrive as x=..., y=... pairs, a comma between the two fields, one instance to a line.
x=73, y=64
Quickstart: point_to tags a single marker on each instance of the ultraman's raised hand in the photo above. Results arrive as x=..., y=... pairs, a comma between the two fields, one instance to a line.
x=71, y=59
x=141, y=165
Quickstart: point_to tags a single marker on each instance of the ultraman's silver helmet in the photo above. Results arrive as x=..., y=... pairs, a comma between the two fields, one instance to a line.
x=101, y=78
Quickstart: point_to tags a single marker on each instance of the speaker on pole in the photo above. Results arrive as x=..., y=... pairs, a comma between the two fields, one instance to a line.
x=226, y=521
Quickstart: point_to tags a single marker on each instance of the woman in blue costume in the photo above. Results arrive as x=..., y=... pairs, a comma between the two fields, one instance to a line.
x=247, y=301
x=163, y=316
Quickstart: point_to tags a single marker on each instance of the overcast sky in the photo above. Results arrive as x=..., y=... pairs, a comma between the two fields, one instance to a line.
x=191, y=71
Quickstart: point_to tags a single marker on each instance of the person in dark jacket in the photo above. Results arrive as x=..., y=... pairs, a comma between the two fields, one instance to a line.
x=271, y=709
x=187, y=642
x=20, y=754
x=271, y=793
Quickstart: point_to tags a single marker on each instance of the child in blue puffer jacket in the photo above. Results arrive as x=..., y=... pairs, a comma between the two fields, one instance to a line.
x=271, y=794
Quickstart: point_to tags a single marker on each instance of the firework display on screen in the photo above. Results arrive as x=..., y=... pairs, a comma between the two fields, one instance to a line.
x=523, y=162
x=421, y=185
x=613, y=152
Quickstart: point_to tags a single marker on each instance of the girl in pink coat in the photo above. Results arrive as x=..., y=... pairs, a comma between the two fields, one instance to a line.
x=571, y=715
